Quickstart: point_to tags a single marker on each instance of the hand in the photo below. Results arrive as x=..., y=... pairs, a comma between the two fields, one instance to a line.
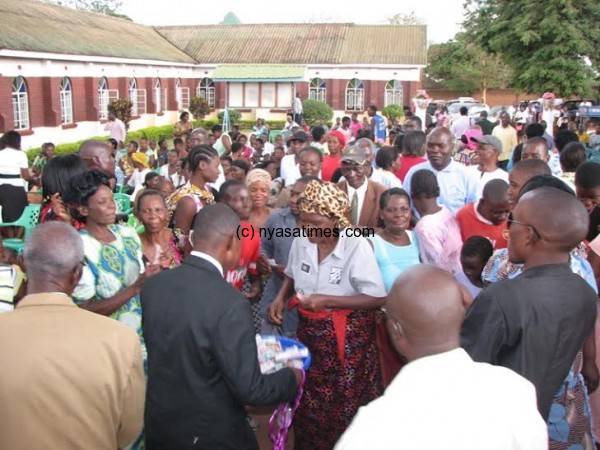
x=590, y=375
x=279, y=270
x=298, y=375
x=263, y=265
x=59, y=208
x=254, y=291
x=276, y=312
x=151, y=270
x=314, y=302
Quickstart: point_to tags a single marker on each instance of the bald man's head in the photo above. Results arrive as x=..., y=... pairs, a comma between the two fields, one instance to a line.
x=99, y=155
x=539, y=229
x=427, y=304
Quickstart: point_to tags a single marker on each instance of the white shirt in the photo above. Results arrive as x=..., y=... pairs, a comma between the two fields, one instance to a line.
x=289, y=125
x=116, y=128
x=385, y=177
x=457, y=184
x=11, y=163
x=297, y=106
x=268, y=148
x=289, y=170
x=460, y=126
x=481, y=178
x=447, y=401
x=350, y=269
x=138, y=178
x=360, y=192
x=207, y=257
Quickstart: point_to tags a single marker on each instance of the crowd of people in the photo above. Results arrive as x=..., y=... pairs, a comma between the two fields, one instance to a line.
x=444, y=281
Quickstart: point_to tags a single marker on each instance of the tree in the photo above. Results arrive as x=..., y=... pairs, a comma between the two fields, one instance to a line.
x=550, y=46
x=122, y=108
x=315, y=110
x=460, y=65
x=199, y=108
x=405, y=19
x=106, y=7
x=234, y=116
x=393, y=112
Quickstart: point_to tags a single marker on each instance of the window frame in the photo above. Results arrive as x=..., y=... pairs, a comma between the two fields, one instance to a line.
x=20, y=103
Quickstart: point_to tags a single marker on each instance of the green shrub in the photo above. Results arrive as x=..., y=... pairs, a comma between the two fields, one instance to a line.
x=234, y=116
x=314, y=110
x=393, y=112
x=164, y=132
x=199, y=108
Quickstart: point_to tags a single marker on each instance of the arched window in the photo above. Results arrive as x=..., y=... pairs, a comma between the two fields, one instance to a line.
x=20, y=104
x=355, y=95
x=178, y=96
x=157, y=95
x=206, y=90
x=66, y=101
x=103, y=98
x=393, y=93
x=133, y=95
x=317, y=90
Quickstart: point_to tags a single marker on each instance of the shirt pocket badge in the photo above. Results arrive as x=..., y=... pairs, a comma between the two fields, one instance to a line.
x=335, y=275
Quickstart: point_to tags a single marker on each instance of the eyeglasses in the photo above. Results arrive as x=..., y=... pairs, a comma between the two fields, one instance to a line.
x=510, y=221
x=395, y=323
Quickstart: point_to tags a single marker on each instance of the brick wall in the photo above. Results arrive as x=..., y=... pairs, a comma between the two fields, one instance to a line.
x=44, y=96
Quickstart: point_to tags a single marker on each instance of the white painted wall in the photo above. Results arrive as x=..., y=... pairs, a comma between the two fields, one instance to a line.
x=27, y=64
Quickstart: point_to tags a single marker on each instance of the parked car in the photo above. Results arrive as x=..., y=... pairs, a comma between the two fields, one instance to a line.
x=474, y=109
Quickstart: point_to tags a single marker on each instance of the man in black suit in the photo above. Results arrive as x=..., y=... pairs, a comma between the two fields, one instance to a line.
x=202, y=358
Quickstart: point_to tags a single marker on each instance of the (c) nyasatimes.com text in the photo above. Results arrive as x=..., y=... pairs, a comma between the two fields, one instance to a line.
x=308, y=232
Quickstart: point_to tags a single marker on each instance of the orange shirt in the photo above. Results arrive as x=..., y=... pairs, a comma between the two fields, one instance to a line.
x=473, y=224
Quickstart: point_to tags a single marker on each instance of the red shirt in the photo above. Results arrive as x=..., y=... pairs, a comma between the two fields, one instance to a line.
x=406, y=162
x=472, y=224
x=329, y=166
x=248, y=257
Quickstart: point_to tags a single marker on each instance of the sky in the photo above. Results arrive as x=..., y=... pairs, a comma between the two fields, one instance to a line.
x=443, y=17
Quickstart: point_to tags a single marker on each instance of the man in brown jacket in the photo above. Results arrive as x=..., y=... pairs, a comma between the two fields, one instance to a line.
x=363, y=193
x=71, y=379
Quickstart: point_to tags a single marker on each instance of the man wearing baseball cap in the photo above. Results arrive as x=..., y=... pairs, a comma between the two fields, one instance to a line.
x=488, y=150
x=363, y=193
x=290, y=172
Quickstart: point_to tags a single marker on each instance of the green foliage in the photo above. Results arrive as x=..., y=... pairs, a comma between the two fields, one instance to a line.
x=393, y=112
x=164, y=132
x=199, y=108
x=463, y=66
x=405, y=19
x=234, y=116
x=122, y=108
x=314, y=110
x=155, y=133
x=546, y=44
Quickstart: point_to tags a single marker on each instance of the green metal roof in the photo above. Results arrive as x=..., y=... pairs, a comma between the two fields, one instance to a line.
x=262, y=72
x=42, y=27
x=301, y=43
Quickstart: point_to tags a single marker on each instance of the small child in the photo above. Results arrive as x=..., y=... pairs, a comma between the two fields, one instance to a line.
x=475, y=253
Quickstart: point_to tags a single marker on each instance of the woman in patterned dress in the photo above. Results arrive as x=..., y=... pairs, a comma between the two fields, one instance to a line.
x=113, y=270
x=339, y=290
x=159, y=245
x=185, y=202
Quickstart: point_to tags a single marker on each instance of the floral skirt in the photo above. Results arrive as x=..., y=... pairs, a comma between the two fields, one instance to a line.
x=334, y=390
